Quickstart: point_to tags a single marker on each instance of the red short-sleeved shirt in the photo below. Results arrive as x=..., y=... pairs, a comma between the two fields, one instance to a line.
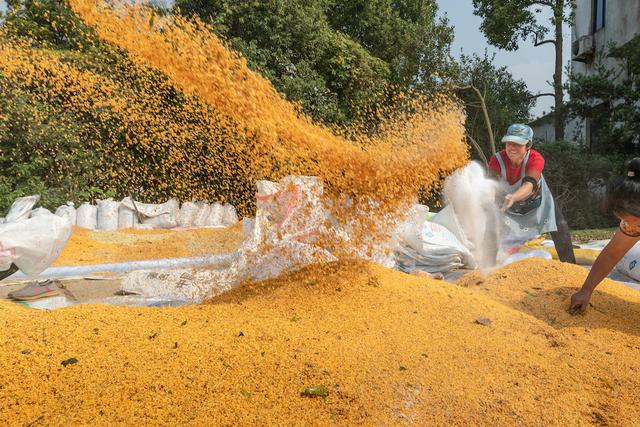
x=534, y=164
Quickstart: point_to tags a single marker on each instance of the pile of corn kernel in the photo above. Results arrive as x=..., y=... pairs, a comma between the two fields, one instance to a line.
x=351, y=343
x=94, y=247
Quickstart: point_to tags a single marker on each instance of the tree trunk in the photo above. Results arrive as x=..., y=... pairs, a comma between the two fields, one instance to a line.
x=562, y=237
x=557, y=76
x=479, y=150
x=487, y=119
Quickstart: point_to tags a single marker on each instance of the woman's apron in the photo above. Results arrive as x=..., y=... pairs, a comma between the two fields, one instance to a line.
x=535, y=222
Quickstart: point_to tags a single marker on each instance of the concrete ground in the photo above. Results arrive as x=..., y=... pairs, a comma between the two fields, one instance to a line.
x=76, y=289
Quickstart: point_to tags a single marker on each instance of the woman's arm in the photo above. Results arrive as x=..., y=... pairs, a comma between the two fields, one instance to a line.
x=521, y=193
x=608, y=258
x=526, y=189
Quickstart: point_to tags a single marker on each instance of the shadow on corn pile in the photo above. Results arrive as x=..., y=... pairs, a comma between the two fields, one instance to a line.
x=543, y=289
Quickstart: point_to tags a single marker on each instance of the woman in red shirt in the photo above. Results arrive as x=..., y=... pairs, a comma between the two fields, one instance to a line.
x=528, y=205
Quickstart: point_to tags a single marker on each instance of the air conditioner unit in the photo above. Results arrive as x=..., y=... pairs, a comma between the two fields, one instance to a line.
x=583, y=49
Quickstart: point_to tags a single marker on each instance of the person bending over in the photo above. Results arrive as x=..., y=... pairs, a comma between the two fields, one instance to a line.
x=623, y=199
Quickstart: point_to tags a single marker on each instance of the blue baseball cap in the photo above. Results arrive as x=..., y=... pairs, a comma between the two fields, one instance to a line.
x=518, y=133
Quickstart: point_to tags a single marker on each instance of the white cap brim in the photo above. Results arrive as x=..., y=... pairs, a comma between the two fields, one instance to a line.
x=516, y=139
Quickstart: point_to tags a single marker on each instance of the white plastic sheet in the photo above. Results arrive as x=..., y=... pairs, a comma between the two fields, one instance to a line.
x=209, y=261
x=50, y=303
x=33, y=244
x=21, y=208
x=429, y=246
x=535, y=253
x=282, y=239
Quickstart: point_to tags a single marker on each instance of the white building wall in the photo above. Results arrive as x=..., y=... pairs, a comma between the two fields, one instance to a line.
x=544, y=130
x=621, y=25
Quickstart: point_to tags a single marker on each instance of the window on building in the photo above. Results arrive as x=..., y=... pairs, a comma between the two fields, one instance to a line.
x=600, y=10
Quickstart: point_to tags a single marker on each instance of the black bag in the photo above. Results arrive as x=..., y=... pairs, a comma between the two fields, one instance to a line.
x=523, y=207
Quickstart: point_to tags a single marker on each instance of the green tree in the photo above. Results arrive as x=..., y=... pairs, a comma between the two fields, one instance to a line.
x=335, y=58
x=334, y=75
x=407, y=35
x=83, y=150
x=578, y=190
x=508, y=22
x=493, y=99
x=47, y=21
x=42, y=153
x=610, y=100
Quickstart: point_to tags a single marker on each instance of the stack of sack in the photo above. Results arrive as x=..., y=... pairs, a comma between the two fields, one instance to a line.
x=113, y=215
x=430, y=246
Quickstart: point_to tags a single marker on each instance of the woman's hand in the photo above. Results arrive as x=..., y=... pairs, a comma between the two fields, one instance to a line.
x=520, y=194
x=579, y=301
x=508, y=202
